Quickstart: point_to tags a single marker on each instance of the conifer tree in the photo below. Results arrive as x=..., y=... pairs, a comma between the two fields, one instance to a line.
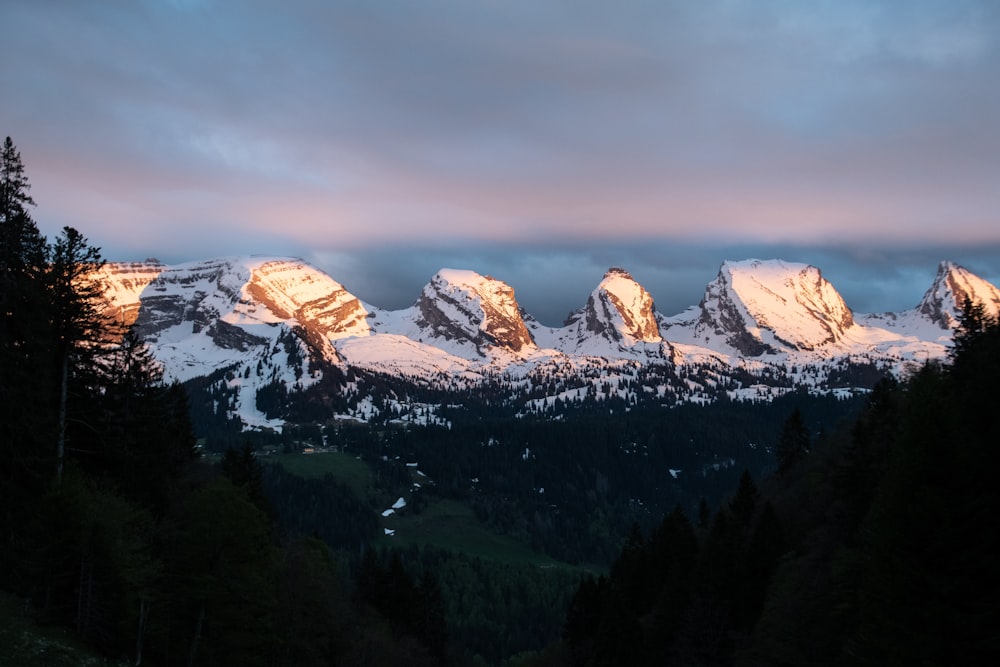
x=145, y=439
x=431, y=628
x=24, y=393
x=793, y=443
x=219, y=573
x=584, y=617
x=76, y=325
x=973, y=323
x=744, y=503
x=245, y=472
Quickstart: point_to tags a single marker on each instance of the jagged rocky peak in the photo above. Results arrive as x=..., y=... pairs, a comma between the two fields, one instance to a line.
x=292, y=289
x=620, y=309
x=952, y=286
x=763, y=305
x=466, y=306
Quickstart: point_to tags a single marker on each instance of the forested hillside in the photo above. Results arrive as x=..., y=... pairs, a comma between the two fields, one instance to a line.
x=873, y=545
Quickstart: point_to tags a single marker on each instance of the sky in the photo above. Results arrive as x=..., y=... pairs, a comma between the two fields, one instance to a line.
x=537, y=141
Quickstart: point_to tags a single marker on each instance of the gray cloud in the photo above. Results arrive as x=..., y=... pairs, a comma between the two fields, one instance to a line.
x=551, y=139
x=554, y=280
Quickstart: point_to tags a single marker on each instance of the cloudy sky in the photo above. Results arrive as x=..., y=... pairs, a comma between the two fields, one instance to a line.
x=538, y=141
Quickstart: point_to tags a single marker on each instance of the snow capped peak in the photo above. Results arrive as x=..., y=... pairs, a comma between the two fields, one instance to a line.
x=234, y=301
x=252, y=322
x=294, y=289
x=462, y=278
x=466, y=307
x=953, y=284
x=618, y=319
x=759, y=306
x=622, y=309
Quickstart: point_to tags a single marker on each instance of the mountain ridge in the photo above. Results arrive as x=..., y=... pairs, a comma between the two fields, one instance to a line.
x=760, y=322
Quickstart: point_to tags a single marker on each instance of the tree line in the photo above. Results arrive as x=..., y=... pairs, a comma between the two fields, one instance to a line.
x=873, y=544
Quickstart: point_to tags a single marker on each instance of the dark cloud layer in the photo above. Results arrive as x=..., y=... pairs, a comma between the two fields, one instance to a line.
x=541, y=142
x=553, y=280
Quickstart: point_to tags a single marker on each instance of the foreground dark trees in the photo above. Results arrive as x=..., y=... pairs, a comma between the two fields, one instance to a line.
x=874, y=545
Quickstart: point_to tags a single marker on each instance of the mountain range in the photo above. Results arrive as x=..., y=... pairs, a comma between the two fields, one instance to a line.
x=762, y=328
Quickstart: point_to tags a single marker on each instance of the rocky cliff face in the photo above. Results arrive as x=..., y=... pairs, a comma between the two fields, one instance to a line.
x=619, y=310
x=124, y=283
x=466, y=307
x=763, y=306
x=227, y=312
x=293, y=290
x=942, y=303
x=233, y=291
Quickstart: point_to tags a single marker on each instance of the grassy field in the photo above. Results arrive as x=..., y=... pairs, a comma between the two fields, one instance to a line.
x=451, y=525
x=345, y=468
x=446, y=524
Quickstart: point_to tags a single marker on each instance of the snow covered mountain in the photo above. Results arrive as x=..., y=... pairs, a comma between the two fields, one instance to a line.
x=259, y=319
x=228, y=306
x=469, y=312
x=943, y=302
x=276, y=322
x=618, y=320
x=938, y=313
x=755, y=307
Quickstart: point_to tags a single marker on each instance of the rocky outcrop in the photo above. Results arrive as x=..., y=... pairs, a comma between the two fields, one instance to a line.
x=942, y=304
x=464, y=306
x=760, y=306
x=619, y=310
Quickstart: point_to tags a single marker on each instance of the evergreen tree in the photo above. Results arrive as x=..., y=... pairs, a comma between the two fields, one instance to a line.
x=674, y=554
x=631, y=573
x=143, y=438
x=793, y=443
x=929, y=582
x=431, y=628
x=110, y=571
x=584, y=617
x=312, y=612
x=973, y=324
x=744, y=503
x=25, y=424
x=245, y=472
x=218, y=598
x=75, y=322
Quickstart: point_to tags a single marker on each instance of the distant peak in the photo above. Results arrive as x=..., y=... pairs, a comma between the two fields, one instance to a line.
x=762, y=305
x=953, y=285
